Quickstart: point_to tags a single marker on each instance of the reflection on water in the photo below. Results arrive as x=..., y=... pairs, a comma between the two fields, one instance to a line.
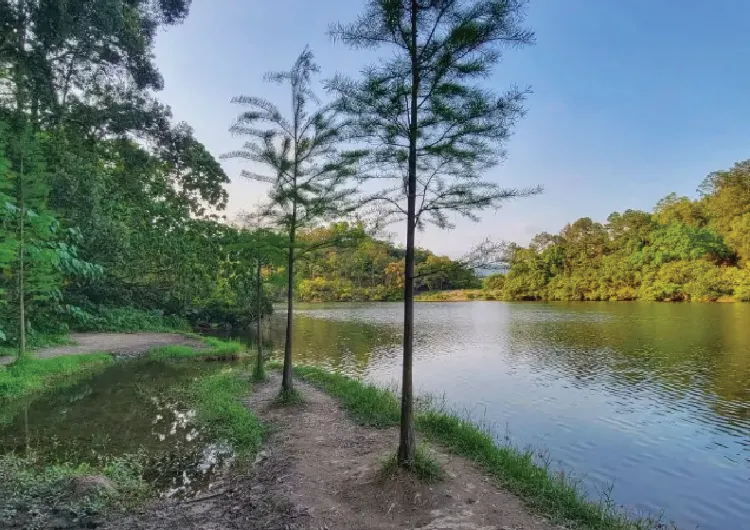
x=654, y=398
x=126, y=409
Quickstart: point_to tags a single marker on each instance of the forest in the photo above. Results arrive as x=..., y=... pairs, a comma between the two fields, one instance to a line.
x=113, y=214
x=111, y=211
x=685, y=250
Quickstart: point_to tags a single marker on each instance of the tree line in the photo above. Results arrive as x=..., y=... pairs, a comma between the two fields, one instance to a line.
x=369, y=269
x=685, y=250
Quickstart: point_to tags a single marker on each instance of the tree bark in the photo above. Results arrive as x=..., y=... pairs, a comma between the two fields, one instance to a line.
x=20, y=109
x=286, y=380
x=259, y=318
x=406, y=448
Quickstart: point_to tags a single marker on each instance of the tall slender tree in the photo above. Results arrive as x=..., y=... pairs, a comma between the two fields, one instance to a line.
x=300, y=154
x=427, y=125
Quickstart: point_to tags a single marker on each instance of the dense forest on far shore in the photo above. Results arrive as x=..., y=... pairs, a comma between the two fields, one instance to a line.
x=686, y=250
x=367, y=268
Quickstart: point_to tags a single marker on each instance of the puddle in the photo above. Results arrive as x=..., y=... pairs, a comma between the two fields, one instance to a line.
x=129, y=408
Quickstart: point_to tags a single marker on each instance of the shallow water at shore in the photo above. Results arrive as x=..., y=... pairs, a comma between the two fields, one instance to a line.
x=131, y=408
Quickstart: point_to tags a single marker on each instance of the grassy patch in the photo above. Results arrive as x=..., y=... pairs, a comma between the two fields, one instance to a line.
x=426, y=465
x=27, y=376
x=288, y=398
x=214, y=349
x=217, y=398
x=367, y=404
x=553, y=494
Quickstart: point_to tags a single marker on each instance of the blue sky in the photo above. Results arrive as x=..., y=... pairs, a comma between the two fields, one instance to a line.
x=632, y=99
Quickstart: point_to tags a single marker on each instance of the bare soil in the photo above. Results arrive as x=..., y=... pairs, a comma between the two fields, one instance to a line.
x=321, y=471
x=124, y=344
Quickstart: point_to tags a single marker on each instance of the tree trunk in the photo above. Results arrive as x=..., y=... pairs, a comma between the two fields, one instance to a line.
x=286, y=380
x=259, y=319
x=406, y=448
x=21, y=262
x=20, y=108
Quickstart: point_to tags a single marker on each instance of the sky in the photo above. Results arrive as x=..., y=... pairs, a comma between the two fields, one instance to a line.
x=631, y=99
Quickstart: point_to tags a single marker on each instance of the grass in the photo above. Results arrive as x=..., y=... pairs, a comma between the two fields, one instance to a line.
x=214, y=349
x=288, y=398
x=426, y=465
x=217, y=398
x=29, y=376
x=368, y=405
x=556, y=495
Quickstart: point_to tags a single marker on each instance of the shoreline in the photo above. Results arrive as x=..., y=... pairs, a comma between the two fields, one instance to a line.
x=545, y=495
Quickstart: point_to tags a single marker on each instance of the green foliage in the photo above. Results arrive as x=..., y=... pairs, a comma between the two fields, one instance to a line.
x=221, y=410
x=685, y=251
x=27, y=375
x=553, y=494
x=122, y=319
x=110, y=222
x=420, y=111
x=360, y=267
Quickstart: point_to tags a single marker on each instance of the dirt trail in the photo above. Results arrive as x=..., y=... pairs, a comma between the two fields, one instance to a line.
x=322, y=471
x=128, y=344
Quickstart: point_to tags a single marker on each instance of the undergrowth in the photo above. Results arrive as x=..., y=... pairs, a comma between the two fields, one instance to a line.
x=556, y=495
x=126, y=320
x=34, y=497
x=426, y=466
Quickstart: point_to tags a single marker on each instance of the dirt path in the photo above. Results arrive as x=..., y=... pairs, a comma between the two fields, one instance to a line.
x=128, y=344
x=322, y=471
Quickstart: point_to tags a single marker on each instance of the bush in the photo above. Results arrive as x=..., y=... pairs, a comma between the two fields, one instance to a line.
x=123, y=319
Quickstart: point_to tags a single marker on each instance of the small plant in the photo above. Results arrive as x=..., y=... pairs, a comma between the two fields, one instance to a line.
x=425, y=467
x=288, y=397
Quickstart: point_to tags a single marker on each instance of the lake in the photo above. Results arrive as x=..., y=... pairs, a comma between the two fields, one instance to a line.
x=650, y=399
